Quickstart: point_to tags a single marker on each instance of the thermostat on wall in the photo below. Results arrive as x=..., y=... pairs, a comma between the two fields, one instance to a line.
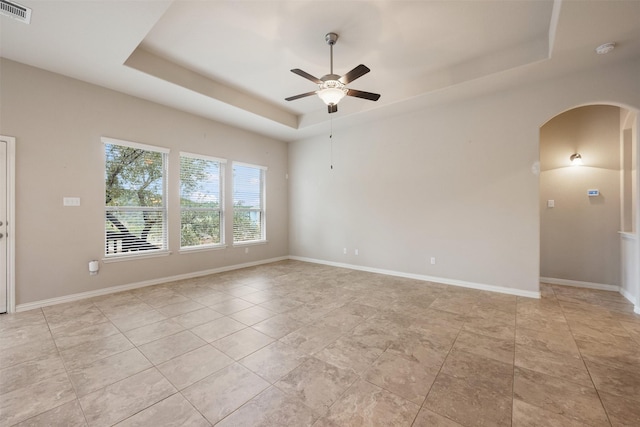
x=593, y=193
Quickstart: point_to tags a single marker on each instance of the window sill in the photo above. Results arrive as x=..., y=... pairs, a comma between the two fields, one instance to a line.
x=201, y=249
x=251, y=243
x=118, y=258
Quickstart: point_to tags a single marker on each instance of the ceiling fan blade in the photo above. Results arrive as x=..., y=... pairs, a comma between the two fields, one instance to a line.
x=357, y=72
x=365, y=95
x=306, y=76
x=333, y=108
x=302, y=95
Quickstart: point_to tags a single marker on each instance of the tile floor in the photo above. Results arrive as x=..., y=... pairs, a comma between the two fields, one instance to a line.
x=297, y=344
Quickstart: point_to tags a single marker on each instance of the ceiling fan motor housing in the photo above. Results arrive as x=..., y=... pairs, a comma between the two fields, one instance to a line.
x=331, y=38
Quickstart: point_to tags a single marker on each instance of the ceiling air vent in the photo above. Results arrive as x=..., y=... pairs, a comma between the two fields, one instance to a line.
x=15, y=11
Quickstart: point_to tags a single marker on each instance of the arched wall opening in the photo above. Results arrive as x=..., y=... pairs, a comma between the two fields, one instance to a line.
x=589, y=213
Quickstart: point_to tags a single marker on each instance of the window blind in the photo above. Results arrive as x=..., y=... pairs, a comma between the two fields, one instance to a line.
x=248, y=203
x=201, y=201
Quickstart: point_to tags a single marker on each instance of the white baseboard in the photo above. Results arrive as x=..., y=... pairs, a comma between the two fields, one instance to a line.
x=632, y=299
x=580, y=284
x=443, y=280
x=130, y=286
x=591, y=285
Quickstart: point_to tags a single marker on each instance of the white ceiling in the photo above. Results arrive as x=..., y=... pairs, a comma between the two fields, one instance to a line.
x=230, y=60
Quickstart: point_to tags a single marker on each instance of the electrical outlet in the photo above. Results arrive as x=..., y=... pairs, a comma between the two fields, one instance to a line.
x=356, y=252
x=246, y=250
x=433, y=260
x=344, y=251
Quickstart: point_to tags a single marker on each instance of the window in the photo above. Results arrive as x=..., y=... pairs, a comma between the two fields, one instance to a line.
x=135, y=205
x=201, y=201
x=248, y=203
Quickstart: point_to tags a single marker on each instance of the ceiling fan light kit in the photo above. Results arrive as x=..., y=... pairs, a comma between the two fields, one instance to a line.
x=332, y=87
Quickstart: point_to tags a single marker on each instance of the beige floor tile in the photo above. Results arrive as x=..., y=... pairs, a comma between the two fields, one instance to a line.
x=403, y=375
x=633, y=328
x=559, y=365
x=614, y=381
x=272, y=407
x=397, y=339
x=366, y=404
x=491, y=327
x=570, y=400
x=175, y=410
x=66, y=340
x=23, y=335
x=274, y=361
x=29, y=372
x=214, y=298
x=193, y=366
x=349, y=353
x=153, y=332
x=88, y=352
x=221, y=393
x=242, y=343
x=457, y=400
x=180, y=308
x=261, y=296
x=167, y=348
x=427, y=418
x=67, y=415
x=280, y=305
x=482, y=345
x=197, y=318
x=9, y=321
x=526, y=415
x=218, y=328
x=135, y=320
x=66, y=318
x=278, y=326
x=554, y=341
x=35, y=398
x=428, y=348
x=479, y=371
x=316, y=383
x=125, y=398
x=30, y=350
x=231, y=306
x=624, y=354
x=103, y=372
x=311, y=338
x=621, y=411
x=252, y=315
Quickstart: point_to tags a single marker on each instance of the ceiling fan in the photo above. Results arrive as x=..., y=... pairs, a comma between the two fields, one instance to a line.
x=331, y=87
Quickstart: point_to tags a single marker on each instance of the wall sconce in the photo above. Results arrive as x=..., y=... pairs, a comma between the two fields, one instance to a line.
x=576, y=159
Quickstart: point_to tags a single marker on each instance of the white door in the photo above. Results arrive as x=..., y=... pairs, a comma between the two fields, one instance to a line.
x=3, y=226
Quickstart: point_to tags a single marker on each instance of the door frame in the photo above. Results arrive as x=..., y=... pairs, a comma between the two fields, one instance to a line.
x=11, y=226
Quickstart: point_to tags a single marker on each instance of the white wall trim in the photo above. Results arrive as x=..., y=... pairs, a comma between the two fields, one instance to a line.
x=443, y=280
x=130, y=286
x=11, y=219
x=590, y=285
x=631, y=298
x=580, y=284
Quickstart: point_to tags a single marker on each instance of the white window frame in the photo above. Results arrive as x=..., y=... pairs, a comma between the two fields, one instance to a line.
x=164, y=250
x=221, y=170
x=262, y=210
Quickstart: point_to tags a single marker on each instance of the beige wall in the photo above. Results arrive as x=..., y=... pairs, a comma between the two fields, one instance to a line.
x=453, y=182
x=58, y=122
x=579, y=237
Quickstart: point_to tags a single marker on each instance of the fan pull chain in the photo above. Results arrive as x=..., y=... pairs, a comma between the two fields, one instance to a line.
x=331, y=140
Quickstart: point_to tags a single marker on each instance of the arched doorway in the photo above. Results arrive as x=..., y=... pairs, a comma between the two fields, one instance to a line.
x=589, y=213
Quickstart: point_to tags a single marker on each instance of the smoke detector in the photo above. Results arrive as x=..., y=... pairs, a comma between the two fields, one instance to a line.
x=15, y=11
x=603, y=49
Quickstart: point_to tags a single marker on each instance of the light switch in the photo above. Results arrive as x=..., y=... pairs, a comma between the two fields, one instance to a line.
x=551, y=203
x=71, y=201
